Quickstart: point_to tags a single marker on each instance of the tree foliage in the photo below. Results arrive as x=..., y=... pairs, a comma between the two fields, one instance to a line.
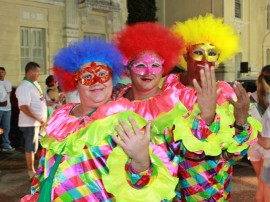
x=141, y=11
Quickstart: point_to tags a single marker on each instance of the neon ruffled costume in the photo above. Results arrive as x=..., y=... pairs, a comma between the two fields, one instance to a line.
x=191, y=137
x=206, y=162
x=79, y=159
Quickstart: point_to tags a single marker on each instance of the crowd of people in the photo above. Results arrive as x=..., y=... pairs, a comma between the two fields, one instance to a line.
x=162, y=137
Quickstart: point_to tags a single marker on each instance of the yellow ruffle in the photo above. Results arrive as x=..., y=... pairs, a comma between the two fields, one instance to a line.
x=91, y=135
x=160, y=187
x=216, y=142
x=256, y=127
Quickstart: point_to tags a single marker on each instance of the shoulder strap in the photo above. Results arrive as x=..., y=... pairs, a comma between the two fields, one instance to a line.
x=47, y=184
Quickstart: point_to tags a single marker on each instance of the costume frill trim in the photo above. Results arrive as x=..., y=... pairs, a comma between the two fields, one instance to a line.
x=215, y=142
x=92, y=135
x=153, y=107
x=161, y=186
x=256, y=128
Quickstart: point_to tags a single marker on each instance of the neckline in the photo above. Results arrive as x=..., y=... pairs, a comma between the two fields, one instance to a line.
x=129, y=95
x=89, y=114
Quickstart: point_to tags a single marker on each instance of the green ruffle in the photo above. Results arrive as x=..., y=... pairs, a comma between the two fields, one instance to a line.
x=183, y=131
x=91, y=135
x=256, y=127
x=216, y=142
x=168, y=119
x=160, y=187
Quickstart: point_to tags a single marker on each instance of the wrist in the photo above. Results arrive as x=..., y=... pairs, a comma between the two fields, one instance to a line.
x=141, y=165
x=208, y=119
x=241, y=127
x=240, y=122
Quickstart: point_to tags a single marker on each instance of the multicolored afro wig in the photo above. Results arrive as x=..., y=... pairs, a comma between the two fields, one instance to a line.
x=209, y=29
x=138, y=38
x=69, y=60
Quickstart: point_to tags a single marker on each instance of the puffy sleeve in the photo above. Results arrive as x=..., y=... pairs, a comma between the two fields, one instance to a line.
x=154, y=184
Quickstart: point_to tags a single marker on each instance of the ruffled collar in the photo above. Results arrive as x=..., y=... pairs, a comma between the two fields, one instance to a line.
x=154, y=106
x=62, y=124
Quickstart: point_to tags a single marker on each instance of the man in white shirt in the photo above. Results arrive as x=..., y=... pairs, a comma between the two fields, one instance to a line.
x=33, y=112
x=5, y=110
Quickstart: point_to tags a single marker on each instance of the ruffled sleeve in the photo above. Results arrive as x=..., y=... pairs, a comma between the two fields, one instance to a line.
x=160, y=186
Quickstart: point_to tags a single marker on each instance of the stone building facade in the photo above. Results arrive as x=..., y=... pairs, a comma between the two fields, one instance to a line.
x=34, y=30
x=37, y=29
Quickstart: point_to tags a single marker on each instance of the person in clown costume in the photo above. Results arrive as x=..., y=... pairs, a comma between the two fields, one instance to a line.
x=185, y=121
x=80, y=160
x=205, y=172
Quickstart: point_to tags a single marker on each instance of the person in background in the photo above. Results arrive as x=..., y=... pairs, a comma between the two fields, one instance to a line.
x=78, y=146
x=33, y=112
x=72, y=97
x=53, y=97
x=258, y=154
x=207, y=161
x=5, y=111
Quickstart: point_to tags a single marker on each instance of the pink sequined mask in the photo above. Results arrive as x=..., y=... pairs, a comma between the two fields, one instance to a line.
x=147, y=64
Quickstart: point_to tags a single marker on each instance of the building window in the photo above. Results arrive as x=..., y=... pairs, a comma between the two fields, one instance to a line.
x=95, y=35
x=238, y=8
x=32, y=47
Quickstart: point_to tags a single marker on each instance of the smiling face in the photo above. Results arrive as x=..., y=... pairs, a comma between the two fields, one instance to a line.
x=94, y=83
x=146, y=71
x=198, y=57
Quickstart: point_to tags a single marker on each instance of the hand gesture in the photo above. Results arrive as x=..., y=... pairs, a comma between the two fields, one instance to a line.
x=241, y=106
x=134, y=143
x=207, y=93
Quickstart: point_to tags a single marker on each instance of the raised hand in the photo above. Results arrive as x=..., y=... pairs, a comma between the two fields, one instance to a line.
x=241, y=106
x=134, y=143
x=207, y=93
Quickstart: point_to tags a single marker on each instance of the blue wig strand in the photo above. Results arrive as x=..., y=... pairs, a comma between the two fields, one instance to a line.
x=71, y=58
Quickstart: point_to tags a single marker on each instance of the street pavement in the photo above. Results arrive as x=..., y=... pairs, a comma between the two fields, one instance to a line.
x=14, y=182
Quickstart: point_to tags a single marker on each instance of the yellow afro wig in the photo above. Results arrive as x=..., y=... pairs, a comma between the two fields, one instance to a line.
x=209, y=29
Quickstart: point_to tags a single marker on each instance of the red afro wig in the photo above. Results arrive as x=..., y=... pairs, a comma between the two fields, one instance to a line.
x=135, y=39
x=66, y=79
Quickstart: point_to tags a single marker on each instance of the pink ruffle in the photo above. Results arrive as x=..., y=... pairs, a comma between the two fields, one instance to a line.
x=153, y=107
x=61, y=124
x=188, y=95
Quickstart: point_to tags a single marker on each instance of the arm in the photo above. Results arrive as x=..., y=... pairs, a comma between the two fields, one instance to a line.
x=150, y=168
x=135, y=145
x=25, y=109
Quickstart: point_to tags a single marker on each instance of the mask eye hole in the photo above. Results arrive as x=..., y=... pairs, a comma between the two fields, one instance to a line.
x=140, y=65
x=156, y=65
x=87, y=75
x=212, y=53
x=102, y=73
